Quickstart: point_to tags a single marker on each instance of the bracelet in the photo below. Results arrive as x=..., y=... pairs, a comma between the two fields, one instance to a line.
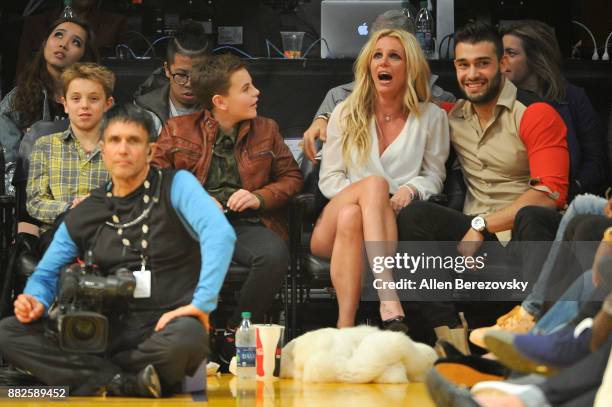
x=413, y=195
x=260, y=199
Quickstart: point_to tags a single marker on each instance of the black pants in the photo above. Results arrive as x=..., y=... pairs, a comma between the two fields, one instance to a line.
x=175, y=351
x=426, y=221
x=577, y=385
x=267, y=256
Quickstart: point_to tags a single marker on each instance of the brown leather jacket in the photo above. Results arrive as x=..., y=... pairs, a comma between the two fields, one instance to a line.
x=265, y=163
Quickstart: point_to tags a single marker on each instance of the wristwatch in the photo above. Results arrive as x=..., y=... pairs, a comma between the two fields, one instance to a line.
x=324, y=116
x=479, y=224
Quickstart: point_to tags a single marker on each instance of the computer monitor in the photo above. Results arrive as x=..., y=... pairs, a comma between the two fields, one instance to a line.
x=346, y=24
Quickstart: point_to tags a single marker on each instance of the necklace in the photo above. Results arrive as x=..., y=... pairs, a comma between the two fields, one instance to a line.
x=387, y=117
x=382, y=142
x=149, y=201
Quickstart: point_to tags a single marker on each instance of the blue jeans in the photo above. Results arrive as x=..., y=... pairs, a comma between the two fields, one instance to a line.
x=567, y=307
x=581, y=205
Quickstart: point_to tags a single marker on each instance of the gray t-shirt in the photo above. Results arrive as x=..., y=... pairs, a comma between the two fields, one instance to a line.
x=174, y=111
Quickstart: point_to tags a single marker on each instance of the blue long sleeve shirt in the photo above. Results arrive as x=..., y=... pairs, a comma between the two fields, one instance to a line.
x=201, y=216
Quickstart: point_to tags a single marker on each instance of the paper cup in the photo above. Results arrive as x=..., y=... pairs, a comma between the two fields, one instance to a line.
x=268, y=351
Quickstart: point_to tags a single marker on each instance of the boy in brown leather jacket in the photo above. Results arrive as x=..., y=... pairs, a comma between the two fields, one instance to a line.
x=244, y=164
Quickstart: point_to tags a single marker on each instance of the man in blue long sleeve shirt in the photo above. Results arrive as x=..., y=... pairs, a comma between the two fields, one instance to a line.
x=162, y=225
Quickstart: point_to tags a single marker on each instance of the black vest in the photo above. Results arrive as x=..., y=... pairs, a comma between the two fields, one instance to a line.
x=173, y=253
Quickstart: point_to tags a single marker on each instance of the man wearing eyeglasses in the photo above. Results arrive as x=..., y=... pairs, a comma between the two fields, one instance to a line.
x=167, y=92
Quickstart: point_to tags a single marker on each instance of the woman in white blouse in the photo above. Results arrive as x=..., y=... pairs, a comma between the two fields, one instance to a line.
x=386, y=146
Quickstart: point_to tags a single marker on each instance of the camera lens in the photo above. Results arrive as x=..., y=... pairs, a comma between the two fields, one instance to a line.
x=84, y=329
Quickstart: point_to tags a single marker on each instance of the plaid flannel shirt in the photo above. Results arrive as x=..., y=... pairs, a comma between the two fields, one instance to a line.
x=60, y=171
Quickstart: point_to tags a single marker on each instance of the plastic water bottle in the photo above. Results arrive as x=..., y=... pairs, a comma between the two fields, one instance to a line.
x=67, y=12
x=425, y=29
x=245, y=348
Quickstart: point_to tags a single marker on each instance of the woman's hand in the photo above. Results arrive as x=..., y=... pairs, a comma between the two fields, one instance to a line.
x=401, y=198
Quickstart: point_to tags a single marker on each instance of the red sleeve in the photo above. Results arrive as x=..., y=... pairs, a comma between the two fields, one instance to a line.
x=448, y=106
x=544, y=134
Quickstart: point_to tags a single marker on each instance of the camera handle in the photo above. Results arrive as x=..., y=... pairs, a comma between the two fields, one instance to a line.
x=89, y=266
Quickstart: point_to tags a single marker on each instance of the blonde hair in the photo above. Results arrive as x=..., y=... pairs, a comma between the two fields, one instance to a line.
x=359, y=105
x=90, y=71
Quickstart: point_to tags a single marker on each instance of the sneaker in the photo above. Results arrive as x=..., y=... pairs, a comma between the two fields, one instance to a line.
x=516, y=321
x=446, y=394
x=541, y=353
x=466, y=371
x=498, y=387
x=142, y=384
x=227, y=349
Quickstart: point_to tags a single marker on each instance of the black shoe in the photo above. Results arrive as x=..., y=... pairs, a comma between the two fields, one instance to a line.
x=12, y=377
x=445, y=349
x=446, y=394
x=227, y=350
x=396, y=324
x=142, y=384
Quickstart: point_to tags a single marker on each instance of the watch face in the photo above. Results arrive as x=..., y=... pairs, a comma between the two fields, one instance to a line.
x=478, y=223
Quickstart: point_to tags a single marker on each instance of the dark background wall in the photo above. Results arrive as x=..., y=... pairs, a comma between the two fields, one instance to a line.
x=264, y=19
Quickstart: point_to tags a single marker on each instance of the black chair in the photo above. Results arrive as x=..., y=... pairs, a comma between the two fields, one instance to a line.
x=311, y=272
x=21, y=259
x=7, y=219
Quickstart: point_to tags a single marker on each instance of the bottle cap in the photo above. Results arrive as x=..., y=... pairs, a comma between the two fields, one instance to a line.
x=246, y=314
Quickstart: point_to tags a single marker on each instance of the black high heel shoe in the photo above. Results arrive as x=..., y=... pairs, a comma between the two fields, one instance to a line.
x=396, y=324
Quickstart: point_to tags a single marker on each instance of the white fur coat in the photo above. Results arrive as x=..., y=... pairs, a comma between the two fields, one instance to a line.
x=361, y=354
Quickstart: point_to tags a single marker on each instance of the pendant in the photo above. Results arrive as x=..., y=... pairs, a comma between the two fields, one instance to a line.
x=387, y=118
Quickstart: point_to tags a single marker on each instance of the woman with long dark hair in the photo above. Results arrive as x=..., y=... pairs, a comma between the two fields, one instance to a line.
x=535, y=64
x=36, y=96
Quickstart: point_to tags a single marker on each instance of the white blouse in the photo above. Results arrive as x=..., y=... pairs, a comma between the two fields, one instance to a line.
x=416, y=157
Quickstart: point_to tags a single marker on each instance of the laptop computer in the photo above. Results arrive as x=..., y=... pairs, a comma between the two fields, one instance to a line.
x=345, y=24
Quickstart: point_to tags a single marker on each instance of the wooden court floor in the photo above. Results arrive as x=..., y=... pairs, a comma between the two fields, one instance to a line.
x=223, y=392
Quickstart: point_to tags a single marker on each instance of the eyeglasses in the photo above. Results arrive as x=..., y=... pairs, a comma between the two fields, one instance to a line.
x=180, y=78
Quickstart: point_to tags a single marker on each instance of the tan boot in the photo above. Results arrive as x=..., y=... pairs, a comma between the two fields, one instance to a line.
x=455, y=336
x=517, y=321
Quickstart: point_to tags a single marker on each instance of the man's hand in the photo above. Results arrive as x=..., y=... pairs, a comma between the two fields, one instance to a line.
x=401, y=198
x=242, y=200
x=471, y=242
x=608, y=208
x=28, y=309
x=184, y=311
x=604, y=249
x=317, y=130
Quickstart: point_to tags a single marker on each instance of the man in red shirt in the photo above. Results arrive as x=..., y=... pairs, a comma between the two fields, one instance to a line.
x=513, y=152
